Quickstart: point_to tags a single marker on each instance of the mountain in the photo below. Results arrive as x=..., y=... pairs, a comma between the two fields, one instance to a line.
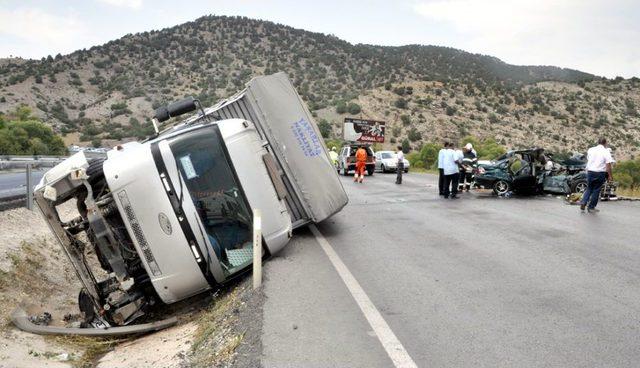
x=108, y=92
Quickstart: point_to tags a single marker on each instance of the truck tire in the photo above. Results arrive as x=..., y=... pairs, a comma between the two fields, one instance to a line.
x=371, y=170
x=345, y=172
x=95, y=171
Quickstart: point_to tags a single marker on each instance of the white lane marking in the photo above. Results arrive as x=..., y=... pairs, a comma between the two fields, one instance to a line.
x=388, y=339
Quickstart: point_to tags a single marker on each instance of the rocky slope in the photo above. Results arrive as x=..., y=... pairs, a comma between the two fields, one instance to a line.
x=107, y=93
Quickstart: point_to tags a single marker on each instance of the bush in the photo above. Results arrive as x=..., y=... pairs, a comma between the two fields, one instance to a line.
x=406, y=147
x=341, y=107
x=401, y=103
x=22, y=134
x=414, y=135
x=354, y=108
x=405, y=120
x=325, y=128
x=627, y=173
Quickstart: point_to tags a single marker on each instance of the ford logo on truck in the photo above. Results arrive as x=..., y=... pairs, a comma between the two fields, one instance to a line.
x=164, y=223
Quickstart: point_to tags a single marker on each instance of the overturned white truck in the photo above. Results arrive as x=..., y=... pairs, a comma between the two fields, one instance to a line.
x=172, y=217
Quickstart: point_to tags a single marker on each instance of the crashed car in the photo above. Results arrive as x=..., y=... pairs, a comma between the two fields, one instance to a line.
x=171, y=217
x=532, y=171
x=518, y=171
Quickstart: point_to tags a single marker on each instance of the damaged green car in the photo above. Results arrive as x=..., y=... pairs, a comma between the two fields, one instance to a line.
x=533, y=171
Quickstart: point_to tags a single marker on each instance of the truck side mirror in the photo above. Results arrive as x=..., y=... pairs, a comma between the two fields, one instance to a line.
x=174, y=109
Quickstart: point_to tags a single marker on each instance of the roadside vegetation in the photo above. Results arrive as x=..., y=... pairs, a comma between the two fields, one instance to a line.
x=23, y=134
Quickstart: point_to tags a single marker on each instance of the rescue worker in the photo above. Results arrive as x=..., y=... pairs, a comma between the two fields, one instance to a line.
x=468, y=165
x=361, y=164
x=399, y=165
x=334, y=156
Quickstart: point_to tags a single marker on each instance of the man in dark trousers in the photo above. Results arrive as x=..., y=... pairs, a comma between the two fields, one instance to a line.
x=451, y=172
x=599, y=162
x=441, y=154
x=399, y=165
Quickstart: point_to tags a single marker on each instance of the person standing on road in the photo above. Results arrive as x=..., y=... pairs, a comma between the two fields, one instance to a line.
x=469, y=163
x=451, y=172
x=361, y=164
x=441, y=155
x=399, y=165
x=599, y=162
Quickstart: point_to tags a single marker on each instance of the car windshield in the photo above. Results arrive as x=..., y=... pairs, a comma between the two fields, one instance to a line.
x=387, y=155
x=214, y=189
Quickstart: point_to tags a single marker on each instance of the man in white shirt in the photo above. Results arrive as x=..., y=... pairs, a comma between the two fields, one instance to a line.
x=441, y=154
x=399, y=165
x=599, y=162
x=451, y=172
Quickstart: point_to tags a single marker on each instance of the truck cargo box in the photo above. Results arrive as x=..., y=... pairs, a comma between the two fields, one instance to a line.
x=314, y=192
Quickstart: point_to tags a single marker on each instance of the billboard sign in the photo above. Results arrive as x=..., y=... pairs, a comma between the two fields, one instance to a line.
x=361, y=130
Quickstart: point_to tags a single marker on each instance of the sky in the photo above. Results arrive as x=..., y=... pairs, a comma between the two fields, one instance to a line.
x=595, y=36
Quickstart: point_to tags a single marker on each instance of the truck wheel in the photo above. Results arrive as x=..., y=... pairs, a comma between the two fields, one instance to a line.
x=501, y=187
x=579, y=187
x=370, y=171
x=345, y=172
x=95, y=171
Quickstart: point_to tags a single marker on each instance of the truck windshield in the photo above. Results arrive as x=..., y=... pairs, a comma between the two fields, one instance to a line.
x=216, y=194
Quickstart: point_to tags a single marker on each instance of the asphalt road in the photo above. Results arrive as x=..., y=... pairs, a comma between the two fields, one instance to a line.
x=14, y=182
x=476, y=282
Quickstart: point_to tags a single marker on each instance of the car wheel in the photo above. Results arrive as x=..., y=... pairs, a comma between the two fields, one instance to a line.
x=384, y=169
x=370, y=171
x=406, y=171
x=501, y=187
x=345, y=172
x=579, y=186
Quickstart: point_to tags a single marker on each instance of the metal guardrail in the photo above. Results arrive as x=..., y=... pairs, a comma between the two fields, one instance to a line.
x=8, y=162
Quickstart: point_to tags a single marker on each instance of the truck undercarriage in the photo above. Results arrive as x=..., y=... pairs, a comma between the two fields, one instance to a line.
x=116, y=288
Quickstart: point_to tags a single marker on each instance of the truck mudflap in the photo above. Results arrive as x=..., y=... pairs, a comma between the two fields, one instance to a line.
x=21, y=320
x=273, y=105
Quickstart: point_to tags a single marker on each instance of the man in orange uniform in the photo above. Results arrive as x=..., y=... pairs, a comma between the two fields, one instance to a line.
x=361, y=164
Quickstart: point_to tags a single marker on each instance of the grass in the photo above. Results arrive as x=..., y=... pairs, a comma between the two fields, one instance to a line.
x=422, y=170
x=92, y=348
x=215, y=340
x=629, y=192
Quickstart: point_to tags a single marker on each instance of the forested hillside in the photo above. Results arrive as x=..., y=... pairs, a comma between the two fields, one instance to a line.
x=106, y=94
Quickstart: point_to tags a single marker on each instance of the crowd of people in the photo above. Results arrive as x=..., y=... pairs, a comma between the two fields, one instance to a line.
x=455, y=169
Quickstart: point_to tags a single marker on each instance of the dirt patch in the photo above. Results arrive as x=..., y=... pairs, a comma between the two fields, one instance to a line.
x=33, y=272
x=221, y=329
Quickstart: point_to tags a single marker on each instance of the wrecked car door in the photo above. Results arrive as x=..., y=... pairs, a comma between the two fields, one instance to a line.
x=523, y=173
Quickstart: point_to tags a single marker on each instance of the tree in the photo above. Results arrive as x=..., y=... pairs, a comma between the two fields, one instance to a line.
x=406, y=147
x=429, y=155
x=325, y=128
x=22, y=134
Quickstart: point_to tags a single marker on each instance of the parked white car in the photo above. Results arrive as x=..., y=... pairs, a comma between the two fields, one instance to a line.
x=387, y=161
